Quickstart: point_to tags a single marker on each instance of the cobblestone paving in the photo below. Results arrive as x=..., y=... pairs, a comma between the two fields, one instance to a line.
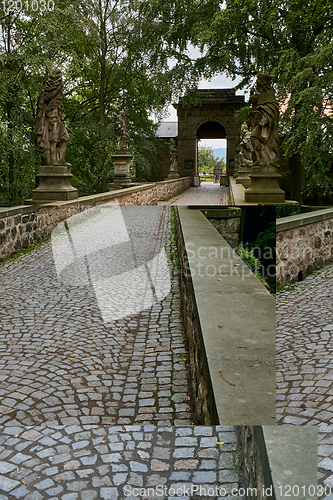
x=304, y=339
x=90, y=327
x=208, y=193
x=304, y=342
x=87, y=462
x=325, y=459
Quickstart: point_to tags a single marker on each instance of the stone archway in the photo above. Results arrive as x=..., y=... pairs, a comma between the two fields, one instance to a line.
x=213, y=117
x=209, y=130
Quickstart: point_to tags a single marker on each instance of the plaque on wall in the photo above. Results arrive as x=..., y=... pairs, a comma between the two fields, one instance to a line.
x=232, y=163
x=189, y=164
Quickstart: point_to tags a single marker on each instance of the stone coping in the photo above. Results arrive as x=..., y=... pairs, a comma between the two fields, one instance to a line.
x=221, y=212
x=87, y=200
x=303, y=219
x=238, y=193
x=236, y=316
x=292, y=459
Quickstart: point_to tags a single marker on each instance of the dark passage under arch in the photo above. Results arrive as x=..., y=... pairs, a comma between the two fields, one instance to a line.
x=211, y=130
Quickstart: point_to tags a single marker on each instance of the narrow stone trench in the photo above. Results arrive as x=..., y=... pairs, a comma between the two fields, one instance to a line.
x=94, y=393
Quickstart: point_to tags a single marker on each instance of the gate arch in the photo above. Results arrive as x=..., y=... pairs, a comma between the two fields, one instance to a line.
x=215, y=114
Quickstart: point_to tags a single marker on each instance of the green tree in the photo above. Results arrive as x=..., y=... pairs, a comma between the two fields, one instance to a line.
x=206, y=159
x=120, y=59
x=293, y=41
x=31, y=43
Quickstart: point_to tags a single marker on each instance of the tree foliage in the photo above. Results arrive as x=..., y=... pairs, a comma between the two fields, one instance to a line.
x=293, y=41
x=113, y=54
x=207, y=160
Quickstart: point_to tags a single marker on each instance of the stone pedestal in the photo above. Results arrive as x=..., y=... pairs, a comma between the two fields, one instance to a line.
x=173, y=174
x=243, y=176
x=122, y=177
x=54, y=185
x=264, y=188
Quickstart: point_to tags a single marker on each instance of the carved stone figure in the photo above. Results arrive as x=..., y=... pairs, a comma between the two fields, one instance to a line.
x=52, y=133
x=245, y=147
x=173, y=157
x=121, y=132
x=264, y=120
x=245, y=157
x=173, y=153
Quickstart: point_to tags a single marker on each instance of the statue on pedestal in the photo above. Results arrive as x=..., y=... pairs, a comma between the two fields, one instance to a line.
x=173, y=156
x=52, y=133
x=264, y=121
x=121, y=132
x=245, y=157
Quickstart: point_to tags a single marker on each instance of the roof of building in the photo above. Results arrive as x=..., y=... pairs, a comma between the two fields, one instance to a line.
x=217, y=96
x=167, y=129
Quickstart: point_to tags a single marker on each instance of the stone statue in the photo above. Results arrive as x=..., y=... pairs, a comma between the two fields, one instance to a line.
x=173, y=154
x=52, y=133
x=264, y=120
x=245, y=157
x=245, y=147
x=121, y=132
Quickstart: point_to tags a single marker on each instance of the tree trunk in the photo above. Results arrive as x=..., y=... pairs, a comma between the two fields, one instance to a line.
x=102, y=117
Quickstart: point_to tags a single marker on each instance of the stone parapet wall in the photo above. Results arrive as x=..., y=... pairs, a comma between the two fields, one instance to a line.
x=217, y=287
x=303, y=243
x=270, y=464
x=227, y=221
x=200, y=388
x=21, y=227
x=253, y=457
x=24, y=229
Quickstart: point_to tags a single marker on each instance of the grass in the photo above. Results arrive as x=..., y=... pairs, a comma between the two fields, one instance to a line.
x=286, y=287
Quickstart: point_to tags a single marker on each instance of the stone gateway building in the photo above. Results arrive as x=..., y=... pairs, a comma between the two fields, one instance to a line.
x=212, y=118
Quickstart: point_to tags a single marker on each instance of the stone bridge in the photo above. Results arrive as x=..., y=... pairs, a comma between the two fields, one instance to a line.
x=133, y=341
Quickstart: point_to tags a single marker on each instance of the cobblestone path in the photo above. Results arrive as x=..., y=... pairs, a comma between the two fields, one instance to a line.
x=208, y=193
x=92, y=355
x=325, y=459
x=90, y=325
x=304, y=343
x=87, y=462
x=304, y=338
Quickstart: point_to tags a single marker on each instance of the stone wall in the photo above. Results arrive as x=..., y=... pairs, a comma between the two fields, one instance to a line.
x=202, y=403
x=303, y=243
x=217, y=287
x=30, y=225
x=227, y=221
x=21, y=227
x=254, y=462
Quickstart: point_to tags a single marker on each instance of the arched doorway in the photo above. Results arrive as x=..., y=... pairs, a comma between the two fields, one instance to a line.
x=211, y=130
x=211, y=134
x=213, y=118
